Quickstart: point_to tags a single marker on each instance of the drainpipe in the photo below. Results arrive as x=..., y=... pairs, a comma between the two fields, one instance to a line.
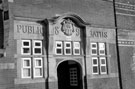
x=47, y=50
x=117, y=46
x=45, y=25
x=84, y=50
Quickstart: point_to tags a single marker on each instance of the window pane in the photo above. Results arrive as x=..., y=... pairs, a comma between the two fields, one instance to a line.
x=37, y=50
x=94, y=46
x=38, y=72
x=67, y=45
x=102, y=45
x=38, y=63
x=26, y=63
x=26, y=50
x=76, y=44
x=77, y=51
x=26, y=43
x=59, y=45
x=95, y=61
x=103, y=61
x=58, y=51
x=26, y=72
x=68, y=51
x=102, y=52
x=103, y=68
x=95, y=69
x=94, y=51
x=37, y=44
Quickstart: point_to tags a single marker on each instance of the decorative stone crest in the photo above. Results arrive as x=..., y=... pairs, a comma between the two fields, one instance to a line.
x=67, y=27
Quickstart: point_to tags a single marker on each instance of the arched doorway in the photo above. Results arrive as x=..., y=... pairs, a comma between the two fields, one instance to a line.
x=69, y=75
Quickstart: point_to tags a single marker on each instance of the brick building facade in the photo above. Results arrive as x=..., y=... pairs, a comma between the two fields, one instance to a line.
x=67, y=44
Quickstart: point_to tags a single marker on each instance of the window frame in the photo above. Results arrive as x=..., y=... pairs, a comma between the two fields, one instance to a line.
x=24, y=67
x=105, y=65
x=37, y=67
x=76, y=48
x=22, y=47
x=56, y=47
x=68, y=47
x=95, y=65
x=99, y=49
x=39, y=47
x=96, y=48
x=102, y=68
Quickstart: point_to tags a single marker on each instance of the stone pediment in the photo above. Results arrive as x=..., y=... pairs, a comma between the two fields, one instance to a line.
x=67, y=26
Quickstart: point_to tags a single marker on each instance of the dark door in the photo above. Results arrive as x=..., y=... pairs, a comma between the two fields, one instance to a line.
x=69, y=75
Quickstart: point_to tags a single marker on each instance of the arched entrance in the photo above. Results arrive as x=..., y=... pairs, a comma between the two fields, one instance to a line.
x=69, y=75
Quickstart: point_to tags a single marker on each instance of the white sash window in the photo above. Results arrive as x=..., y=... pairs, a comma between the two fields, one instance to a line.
x=95, y=69
x=99, y=57
x=26, y=47
x=76, y=48
x=26, y=67
x=38, y=67
x=37, y=47
x=59, y=48
x=67, y=48
x=101, y=48
x=93, y=48
x=32, y=67
x=103, y=66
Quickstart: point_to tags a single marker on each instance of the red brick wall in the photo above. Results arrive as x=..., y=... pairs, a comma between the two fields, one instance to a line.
x=127, y=67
